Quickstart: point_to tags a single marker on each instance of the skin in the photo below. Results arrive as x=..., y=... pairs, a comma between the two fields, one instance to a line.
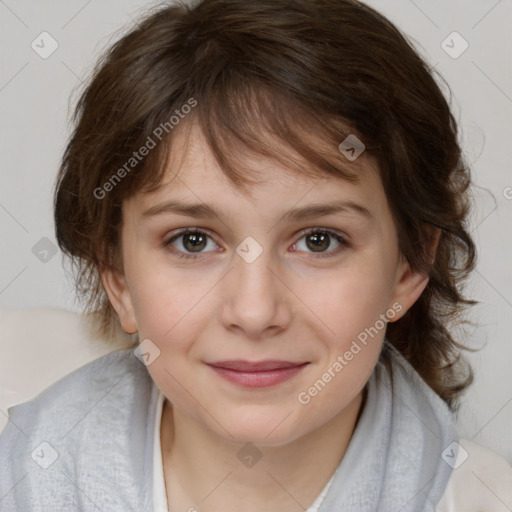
x=290, y=303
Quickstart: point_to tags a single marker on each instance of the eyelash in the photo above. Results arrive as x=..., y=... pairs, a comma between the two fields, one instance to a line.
x=189, y=256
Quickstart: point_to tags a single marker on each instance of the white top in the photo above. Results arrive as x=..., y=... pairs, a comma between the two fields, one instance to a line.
x=480, y=480
x=159, y=492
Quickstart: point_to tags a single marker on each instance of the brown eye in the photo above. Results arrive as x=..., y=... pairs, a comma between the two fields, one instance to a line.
x=190, y=243
x=194, y=242
x=318, y=242
x=324, y=242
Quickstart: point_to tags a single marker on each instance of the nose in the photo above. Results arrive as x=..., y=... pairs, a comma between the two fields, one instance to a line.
x=255, y=298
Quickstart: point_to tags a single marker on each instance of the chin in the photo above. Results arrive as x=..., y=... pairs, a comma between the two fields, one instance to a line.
x=261, y=431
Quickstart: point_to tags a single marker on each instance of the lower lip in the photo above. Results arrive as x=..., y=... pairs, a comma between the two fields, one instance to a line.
x=258, y=379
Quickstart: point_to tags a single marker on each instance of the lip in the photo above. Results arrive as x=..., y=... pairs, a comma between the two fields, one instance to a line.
x=257, y=374
x=255, y=366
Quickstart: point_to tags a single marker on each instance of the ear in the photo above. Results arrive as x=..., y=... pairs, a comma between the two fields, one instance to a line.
x=409, y=284
x=114, y=283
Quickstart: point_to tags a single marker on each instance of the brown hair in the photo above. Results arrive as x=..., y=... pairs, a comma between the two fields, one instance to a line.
x=277, y=70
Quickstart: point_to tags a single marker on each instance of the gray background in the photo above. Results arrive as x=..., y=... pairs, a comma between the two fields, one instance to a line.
x=35, y=105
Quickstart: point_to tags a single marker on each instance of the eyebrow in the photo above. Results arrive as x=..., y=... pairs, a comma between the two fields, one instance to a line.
x=205, y=211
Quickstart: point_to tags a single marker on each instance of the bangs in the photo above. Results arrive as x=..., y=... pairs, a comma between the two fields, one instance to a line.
x=254, y=121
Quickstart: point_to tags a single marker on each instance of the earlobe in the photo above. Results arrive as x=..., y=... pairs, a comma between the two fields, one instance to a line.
x=114, y=283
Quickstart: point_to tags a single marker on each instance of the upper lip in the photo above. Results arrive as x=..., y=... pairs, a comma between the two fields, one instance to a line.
x=255, y=366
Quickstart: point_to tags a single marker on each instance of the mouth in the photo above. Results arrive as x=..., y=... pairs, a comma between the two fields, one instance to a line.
x=257, y=374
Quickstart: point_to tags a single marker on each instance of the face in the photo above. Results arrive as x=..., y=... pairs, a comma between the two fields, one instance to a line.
x=267, y=277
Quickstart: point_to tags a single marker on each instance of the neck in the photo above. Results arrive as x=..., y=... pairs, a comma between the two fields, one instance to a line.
x=205, y=472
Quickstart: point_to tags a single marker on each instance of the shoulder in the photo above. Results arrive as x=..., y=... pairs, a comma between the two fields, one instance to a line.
x=480, y=480
x=76, y=393
x=48, y=438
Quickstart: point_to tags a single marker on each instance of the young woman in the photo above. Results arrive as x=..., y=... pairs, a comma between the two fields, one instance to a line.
x=270, y=198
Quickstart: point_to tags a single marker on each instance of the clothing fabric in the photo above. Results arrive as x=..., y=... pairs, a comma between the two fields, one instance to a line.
x=87, y=443
x=159, y=491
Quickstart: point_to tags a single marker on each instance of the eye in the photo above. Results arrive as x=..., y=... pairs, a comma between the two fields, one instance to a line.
x=318, y=241
x=190, y=243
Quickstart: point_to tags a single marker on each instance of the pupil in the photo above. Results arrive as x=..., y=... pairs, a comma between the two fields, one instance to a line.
x=320, y=241
x=194, y=241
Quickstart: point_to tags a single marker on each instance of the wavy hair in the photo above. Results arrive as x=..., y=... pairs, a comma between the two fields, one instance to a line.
x=268, y=76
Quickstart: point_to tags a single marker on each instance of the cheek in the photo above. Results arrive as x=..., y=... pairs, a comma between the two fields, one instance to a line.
x=165, y=297
x=351, y=304
x=352, y=338
x=348, y=301
x=170, y=313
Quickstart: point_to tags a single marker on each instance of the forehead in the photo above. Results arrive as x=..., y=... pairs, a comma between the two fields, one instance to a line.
x=193, y=170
